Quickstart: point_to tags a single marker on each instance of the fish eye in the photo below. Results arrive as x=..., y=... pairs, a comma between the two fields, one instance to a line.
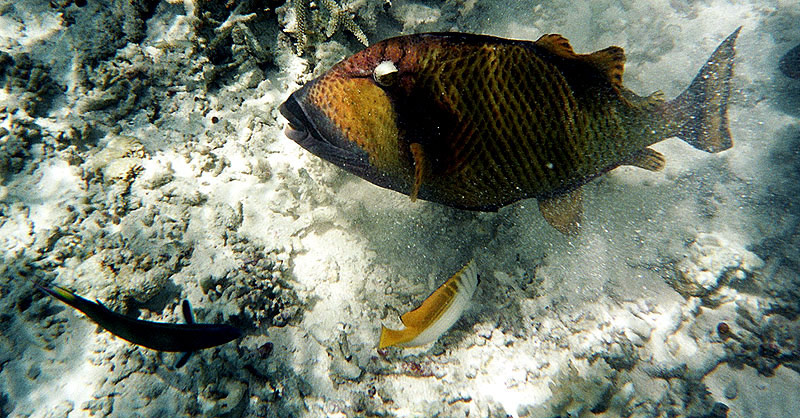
x=385, y=73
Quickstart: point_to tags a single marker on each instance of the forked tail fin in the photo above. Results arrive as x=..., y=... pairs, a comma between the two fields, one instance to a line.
x=700, y=113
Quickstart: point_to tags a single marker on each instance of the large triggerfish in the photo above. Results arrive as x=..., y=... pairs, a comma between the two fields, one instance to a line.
x=478, y=122
x=187, y=338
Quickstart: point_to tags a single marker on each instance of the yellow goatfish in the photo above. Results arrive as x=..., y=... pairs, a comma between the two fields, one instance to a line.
x=437, y=313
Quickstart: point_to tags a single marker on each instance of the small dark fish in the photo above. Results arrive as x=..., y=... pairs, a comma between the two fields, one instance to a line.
x=159, y=336
x=478, y=122
x=790, y=63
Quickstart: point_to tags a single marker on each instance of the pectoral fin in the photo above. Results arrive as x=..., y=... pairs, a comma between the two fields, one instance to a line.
x=183, y=359
x=188, y=317
x=187, y=312
x=420, y=168
x=564, y=212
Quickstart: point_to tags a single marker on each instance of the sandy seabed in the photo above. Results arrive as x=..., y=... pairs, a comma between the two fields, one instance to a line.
x=142, y=162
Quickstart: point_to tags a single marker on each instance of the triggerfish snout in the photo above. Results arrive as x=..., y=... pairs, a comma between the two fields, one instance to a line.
x=478, y=122
x=348, y=119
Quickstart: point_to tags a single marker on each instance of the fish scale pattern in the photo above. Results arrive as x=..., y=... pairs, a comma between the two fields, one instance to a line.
x=479, y=122
x=516, y=131
x=375, y=132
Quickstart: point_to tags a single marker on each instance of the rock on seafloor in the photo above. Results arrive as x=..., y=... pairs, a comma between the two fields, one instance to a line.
x=142, y=162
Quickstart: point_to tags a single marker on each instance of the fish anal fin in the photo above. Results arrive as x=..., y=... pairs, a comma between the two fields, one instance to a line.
x=564, y=212
x=420, y=167
x=187, y=312
x=648, y=159
x=183, y=359
x=557, y=45
x=610, y=61
x=655, y=99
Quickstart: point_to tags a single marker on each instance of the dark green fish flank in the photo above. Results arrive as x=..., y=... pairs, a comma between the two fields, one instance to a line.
x=159, y=336
x=790, y=63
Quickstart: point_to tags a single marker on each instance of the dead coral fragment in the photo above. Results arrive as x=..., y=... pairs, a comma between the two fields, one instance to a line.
x=709, y=264
x=119, y=160
x=235, y=41
x=118, y=84
x=15, y=143
x=312, y=22
x=341, y=17
x=30, y=80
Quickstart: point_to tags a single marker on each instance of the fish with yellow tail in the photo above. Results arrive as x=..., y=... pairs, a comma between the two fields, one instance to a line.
x=436, y=314
x=478, y=122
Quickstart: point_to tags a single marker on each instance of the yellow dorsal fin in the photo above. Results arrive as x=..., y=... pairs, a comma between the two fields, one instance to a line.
x=610, y=61
x=434, y=305
x=556, y=44
x=648, y=159
x=564, y=212
x=420, y=164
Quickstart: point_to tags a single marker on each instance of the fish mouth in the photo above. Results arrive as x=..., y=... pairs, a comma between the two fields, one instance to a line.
x=296, y=129
x=310, y=128
x=313, y=130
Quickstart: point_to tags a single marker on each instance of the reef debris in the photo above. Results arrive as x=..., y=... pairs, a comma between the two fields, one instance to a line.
x=311, y=23
x=709, y=264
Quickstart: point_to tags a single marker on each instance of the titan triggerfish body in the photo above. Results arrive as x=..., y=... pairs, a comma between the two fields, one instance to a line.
x=478, y=122
x=790, y=63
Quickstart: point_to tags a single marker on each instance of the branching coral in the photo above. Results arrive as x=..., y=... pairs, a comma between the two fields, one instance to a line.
x=116, y=85
x=312, y=21
x=342, y=17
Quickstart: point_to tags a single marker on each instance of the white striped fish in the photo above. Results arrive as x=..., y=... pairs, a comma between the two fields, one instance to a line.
x=437, y=313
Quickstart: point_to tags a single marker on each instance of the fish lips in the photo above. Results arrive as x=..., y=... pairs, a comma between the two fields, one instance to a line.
x=310, y=128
